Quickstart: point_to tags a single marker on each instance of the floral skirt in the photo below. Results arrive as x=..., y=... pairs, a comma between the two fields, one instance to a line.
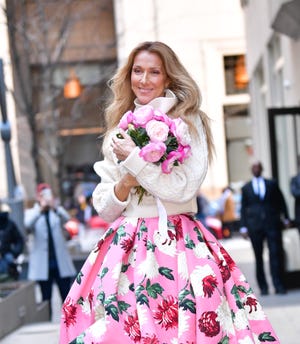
x=137, y=288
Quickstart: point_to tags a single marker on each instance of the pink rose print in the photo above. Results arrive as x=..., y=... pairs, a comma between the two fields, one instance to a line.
x=208, y=324
x=132, y=327
x=209, y=284
x=69, y=310
x=167, y=313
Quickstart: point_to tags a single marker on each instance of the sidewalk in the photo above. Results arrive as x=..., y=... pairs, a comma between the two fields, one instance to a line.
x=282, y=310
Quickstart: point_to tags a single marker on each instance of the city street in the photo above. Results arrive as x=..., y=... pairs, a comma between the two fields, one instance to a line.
x=282, y=310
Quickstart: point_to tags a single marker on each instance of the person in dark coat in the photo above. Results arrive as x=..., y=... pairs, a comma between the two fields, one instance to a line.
x=295, y=191
x=11, y=244
x=262, y=208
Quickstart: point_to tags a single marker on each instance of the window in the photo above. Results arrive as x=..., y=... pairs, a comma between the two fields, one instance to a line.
x=236, y=77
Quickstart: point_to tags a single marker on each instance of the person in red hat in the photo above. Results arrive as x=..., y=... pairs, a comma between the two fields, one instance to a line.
x=49, y=259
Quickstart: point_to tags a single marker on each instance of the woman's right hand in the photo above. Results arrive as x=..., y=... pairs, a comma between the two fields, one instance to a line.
x=123, y=187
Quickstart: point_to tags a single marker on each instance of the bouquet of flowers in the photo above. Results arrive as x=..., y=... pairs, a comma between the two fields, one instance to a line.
x=163, y=141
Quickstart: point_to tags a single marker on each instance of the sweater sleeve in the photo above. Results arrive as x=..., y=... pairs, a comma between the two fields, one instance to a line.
x=107, y=205
x=183, y=182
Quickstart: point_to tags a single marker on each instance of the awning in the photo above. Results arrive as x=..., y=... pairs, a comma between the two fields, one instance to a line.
x=287, y=20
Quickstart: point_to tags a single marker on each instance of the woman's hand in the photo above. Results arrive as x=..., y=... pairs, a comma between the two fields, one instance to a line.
x=123, y=187
x=122, y=147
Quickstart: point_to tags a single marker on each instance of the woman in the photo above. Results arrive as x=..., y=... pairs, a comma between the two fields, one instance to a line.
x=157, y=276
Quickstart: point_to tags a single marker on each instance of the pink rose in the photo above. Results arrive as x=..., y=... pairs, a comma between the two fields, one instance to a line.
x=181, y=131
x=143, y=115
x=125, y=120
x=153, y=151
x=157, y=131
x=168, y=164
x=161, y=116
x=184, y=152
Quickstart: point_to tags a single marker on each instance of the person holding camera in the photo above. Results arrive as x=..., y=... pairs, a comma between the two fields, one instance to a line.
x=49, y=259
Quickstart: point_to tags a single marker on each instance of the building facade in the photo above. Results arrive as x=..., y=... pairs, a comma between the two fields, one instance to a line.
x=273, y=64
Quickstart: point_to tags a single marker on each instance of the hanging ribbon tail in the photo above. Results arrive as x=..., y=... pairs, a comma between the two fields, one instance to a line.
x=162, y=221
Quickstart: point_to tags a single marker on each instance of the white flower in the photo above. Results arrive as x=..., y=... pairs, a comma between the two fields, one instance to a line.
x=174, y=341
x=182, y=266
x=164, y=244
x=142, y=315
x=132, y=256
x=99, y=311
x=197, y=276
x=240, y=320
x=224, y=316
x=201, y=250
x=149, y=266
x=246, y=340
x=98, y=328
x=122, y=280
x=92, y=257
x=183, y=324
x=255, y=312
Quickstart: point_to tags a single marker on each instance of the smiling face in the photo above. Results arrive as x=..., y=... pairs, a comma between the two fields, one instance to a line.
x=148, y=77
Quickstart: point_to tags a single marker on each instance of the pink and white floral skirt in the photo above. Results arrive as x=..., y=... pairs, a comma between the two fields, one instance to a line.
x=136, y=287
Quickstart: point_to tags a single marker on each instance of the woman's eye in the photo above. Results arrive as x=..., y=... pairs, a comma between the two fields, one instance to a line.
x=137, y=71
x=155, y=72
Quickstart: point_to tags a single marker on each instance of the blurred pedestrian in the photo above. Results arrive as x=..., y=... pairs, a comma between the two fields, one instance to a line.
x=202, y=208
x=11, y=245
x=49, y=259
x=295, y=191
x=262, y=209
x=227, y=212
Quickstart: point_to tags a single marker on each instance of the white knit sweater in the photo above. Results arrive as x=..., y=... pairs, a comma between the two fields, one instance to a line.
x=176, y=191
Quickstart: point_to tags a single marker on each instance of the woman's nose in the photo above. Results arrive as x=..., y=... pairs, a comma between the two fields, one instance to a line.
x=144, y=77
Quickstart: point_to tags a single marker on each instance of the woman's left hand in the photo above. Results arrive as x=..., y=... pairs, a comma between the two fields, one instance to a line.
x=122, y=147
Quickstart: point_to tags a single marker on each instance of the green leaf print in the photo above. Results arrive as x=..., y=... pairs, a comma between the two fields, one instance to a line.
x=103, y=272
x=143, y=299
x=110, y=299
x=139, y=289
x=113, y=311
x=120, y=233
x=150, y=246
x=79, y=339
x=266, y=337
x=188, y=304
x=154, y=289
x=123, y=306
x=80, y=301
x=166, y=272
x=131, y=287
x=125, y=267
x=189, y=243
x=101, y=296
x=224, y=340
x=143, y=229
x=182, y=295
x=78, y=278
x=199, y=234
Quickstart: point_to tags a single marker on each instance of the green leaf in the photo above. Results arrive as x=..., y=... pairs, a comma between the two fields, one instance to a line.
x=266, y=337
x=101, y=297
x=183, y=294
x=154, y=289
x=125, y=267
x=224, y=340
x=78, y=278
x=113, y=311
x=189, y=243
x=166, y=272
x=188, y=304
x=80, y=301
x=103, y=272
x=142, y=299
x=123, y=306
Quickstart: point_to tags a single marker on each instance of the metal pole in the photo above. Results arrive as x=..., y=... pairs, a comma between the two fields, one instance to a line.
x=14, y=199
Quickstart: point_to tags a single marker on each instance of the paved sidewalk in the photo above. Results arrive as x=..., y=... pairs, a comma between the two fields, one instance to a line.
x=282, y=310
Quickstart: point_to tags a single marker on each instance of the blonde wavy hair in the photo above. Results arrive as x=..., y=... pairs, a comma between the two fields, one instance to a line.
x=180, y=83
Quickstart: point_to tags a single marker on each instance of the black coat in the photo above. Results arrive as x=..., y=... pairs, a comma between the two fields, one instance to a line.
x=295, y=191
x=11, y=240
x=266, y=213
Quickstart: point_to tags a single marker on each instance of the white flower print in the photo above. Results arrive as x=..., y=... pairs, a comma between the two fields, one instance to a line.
x=168, y=248
x=98, y=328
x=132, y=256
x=240, y=319
x=224, y=316
x=174, y=341
x=183, y=324
x=86, y=307
x=92, y=257
x=122, y=280
x=149, y=266
x=142, y=314
x=99, y=311
x=246, y=340
x=254, y=312
x=182, y=266
x=201, y=250
x=197, y=276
